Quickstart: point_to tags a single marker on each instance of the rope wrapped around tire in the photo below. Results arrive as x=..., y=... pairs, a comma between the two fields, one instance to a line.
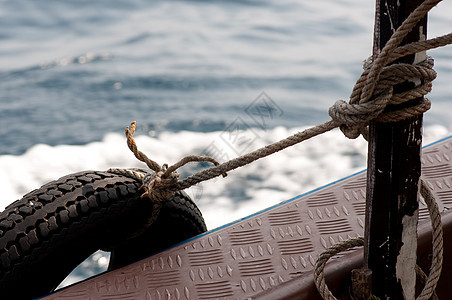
x=51, y=230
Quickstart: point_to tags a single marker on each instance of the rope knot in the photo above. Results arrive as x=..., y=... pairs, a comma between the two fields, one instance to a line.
x=161, y=184
x=376, y=97
x=156, y=184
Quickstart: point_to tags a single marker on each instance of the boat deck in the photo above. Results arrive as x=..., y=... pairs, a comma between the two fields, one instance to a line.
x=271, y=248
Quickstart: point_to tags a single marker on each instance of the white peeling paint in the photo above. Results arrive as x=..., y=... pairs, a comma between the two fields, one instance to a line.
x=406, y=260
x=420, y=56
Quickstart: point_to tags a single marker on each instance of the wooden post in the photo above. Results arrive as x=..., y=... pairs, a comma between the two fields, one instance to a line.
x=393, y=174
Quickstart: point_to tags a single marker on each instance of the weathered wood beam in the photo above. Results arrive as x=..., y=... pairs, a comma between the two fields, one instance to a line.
x=393, y=173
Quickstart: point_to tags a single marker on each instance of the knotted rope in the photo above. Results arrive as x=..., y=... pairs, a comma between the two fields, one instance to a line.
x=156, y=185
x=356, y=115
x=159, y=185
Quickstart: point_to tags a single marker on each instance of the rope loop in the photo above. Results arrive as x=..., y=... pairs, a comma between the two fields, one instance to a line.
x=376, y=83
x=429, y=282
x=385, y=104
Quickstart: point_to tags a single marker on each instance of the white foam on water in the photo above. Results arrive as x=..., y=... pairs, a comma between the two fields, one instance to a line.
x=263, y=183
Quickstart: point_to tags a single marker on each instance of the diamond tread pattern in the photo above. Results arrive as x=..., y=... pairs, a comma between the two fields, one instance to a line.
x=51, y=230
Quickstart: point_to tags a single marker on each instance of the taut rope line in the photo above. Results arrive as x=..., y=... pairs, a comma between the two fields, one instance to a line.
x=372, y=94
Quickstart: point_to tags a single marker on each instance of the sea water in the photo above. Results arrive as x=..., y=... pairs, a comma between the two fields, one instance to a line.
x=216, y=77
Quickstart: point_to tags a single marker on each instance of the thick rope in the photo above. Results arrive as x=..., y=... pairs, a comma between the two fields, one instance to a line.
x=437, y=241
x=364, y=88
x=354, y=116
x=319, y=277
x=435, y=270
x=138, y=154
x=422, y=278
x=137, y=174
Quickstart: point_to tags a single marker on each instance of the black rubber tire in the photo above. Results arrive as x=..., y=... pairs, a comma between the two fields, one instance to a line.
x=51, y=230
x=179, y=219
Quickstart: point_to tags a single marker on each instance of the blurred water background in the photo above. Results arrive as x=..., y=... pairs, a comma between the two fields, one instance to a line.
x=222, y=77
